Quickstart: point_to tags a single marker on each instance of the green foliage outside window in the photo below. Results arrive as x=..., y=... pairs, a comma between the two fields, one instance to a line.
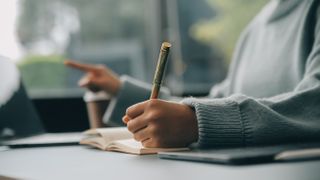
x=224, y=29
x=43, y=72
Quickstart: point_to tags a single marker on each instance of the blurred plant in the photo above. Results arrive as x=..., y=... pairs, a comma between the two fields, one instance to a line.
x=43, y=72
x=224, y=29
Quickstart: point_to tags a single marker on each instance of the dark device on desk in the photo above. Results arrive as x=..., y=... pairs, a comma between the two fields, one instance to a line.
x=20, y=125
x=249, y=155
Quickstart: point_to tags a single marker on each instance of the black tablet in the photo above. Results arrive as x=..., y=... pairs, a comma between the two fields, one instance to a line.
x=248, y=155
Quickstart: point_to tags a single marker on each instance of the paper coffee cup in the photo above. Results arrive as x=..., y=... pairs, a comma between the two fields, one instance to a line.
x=97, y=103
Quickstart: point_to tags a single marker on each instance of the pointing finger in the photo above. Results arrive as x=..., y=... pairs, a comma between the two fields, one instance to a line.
x=80, y=66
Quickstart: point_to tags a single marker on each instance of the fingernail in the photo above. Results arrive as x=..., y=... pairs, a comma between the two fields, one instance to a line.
x=126, y=119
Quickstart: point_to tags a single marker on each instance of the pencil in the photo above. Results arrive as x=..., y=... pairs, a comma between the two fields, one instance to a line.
x=161, y=64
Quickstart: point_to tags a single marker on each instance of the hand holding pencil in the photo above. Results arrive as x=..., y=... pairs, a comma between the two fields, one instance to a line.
x=159, y=123
x=158, y=75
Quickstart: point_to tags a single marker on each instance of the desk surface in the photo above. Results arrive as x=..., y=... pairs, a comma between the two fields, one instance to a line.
x=78, y=162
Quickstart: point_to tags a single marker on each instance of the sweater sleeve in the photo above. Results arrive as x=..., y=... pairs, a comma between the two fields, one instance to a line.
x=239, y=120
x=131, y=92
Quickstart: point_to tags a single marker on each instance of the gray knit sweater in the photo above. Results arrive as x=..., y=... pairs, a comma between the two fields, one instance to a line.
x=272, y=92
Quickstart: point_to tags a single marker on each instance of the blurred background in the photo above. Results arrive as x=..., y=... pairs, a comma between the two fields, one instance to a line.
x=124, y=35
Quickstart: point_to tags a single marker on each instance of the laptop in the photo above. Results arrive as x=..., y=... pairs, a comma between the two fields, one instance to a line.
x=249, y=155
x=20, y=125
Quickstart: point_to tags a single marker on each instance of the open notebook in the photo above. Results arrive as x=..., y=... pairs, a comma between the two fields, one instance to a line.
x=120, y=140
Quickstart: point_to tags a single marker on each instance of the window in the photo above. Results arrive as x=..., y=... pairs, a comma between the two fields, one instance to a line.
x=124, y=35
x=206, y=32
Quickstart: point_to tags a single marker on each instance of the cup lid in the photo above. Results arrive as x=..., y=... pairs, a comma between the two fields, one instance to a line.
x=90, y=96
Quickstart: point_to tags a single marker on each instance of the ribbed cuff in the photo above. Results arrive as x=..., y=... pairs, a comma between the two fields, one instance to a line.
x=219, y=122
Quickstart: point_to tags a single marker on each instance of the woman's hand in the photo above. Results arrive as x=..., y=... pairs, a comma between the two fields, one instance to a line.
x=97, y=77
x=158, y=123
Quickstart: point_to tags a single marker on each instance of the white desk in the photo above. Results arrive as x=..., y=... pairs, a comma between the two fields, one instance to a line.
x=78, y=162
